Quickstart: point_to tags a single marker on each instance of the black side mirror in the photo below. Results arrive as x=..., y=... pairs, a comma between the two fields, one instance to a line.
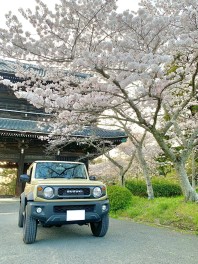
x=92, y=178
x=24, y=178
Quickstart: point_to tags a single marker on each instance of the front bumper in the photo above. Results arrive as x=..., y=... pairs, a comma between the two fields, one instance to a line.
x=53, y=213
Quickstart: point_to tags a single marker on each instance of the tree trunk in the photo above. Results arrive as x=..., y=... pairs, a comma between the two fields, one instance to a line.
x=122, y=178
x=193, y=170
x=122, y=170
x=189, y=193
x=145, y=173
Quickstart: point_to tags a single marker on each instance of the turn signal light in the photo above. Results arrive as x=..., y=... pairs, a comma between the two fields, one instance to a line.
x=39, y=188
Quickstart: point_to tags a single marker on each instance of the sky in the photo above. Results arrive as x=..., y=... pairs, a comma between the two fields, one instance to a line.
x=14, y=5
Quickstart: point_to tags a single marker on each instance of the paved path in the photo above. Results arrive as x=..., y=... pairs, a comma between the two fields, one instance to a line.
x=125, y=243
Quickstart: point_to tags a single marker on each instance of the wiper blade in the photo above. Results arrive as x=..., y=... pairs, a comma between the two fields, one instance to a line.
x=78, y=177
x=54, y=177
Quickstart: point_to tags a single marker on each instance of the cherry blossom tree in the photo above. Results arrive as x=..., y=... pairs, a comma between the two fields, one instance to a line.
x=142, y=65
x=138, y=138
x=123, y=168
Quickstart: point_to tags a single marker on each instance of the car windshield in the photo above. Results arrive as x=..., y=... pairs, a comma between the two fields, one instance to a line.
x=46, y=170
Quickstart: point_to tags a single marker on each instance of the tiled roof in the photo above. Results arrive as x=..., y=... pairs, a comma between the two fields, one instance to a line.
x=8, y=68
x=25, y=127
x=89, y=131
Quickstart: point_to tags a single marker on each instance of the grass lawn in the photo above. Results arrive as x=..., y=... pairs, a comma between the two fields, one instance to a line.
x=172, y=212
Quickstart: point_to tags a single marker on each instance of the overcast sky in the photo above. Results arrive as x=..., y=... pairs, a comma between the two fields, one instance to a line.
x=13, y=5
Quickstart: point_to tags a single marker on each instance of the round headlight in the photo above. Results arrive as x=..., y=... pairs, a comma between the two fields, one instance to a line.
x=48, y=192
x=97, y=192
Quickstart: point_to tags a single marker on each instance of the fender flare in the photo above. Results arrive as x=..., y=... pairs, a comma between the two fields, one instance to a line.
x=30, y=196
x=23, y=201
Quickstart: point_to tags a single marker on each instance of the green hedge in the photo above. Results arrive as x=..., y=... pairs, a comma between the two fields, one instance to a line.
x=161, y=188
x=137, y=187
x=119, y=197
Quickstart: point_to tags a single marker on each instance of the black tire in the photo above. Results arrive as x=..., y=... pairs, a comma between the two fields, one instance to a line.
x=20, y=217
x=100, y=229
x=29, y=228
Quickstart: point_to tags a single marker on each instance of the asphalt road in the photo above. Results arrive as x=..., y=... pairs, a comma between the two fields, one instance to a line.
x=125, y=243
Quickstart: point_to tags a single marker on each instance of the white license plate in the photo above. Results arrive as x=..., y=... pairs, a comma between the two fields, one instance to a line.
x=75, y=215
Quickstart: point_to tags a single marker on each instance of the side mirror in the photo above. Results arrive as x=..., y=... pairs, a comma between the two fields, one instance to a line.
x=24, y=178
x=92, y=178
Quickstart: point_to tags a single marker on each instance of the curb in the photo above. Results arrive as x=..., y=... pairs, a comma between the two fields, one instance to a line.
x=14, y=199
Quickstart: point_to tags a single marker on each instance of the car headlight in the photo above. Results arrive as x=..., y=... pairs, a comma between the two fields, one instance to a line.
x=48, y=192
x=97, y=192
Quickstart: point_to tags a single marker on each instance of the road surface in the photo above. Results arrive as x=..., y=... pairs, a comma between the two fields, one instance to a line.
x=125, y=243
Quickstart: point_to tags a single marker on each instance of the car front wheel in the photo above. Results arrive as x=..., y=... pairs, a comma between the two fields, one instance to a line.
x=99, y=229
x=20, y=216
x=29, y=228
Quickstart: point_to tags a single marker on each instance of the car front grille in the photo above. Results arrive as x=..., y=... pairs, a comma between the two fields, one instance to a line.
x=64, y=208
x=70, y=192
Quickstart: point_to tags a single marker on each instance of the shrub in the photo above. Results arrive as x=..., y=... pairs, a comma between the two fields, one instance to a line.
x=161, y=188
x=137, y=187
x=119, y=197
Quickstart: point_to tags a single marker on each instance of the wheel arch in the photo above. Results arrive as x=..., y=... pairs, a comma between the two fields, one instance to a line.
x=23, y=200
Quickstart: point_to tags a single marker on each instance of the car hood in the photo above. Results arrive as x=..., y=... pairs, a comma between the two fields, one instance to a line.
x=75, y=182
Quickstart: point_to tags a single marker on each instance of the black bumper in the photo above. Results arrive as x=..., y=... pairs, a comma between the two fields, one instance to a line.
x=54, y=213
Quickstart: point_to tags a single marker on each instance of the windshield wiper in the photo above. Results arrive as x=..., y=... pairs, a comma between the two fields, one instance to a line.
x=78, y=177
x=53, y=177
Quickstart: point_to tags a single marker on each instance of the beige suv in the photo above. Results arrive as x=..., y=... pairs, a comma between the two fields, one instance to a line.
x=59, y=193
